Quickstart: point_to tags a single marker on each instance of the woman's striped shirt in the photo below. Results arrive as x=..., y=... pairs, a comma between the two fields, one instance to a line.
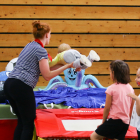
x=27, y=66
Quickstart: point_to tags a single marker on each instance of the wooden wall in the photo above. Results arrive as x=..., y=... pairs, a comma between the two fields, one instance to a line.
x=110, y=27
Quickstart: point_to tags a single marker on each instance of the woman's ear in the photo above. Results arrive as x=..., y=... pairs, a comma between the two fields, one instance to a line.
x=46, y=35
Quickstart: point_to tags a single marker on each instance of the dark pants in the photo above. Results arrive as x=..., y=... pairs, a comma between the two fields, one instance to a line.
x=22, y=100
x=2, y=97
x=138, y=132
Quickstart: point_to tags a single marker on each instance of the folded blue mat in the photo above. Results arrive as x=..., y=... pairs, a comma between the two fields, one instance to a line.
x=87, y=98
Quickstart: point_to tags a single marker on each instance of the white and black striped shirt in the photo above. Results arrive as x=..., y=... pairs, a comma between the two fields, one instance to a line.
x=27, y=66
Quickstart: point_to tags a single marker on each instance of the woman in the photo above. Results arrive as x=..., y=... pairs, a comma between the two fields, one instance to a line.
x=18, y=88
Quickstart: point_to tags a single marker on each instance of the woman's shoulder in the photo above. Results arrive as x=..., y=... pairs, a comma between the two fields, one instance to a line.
x=34, y=47
x=37, y=46
x=34, y=44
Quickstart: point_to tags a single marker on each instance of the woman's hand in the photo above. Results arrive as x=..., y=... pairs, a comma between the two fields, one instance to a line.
x=133, y=96
x=70, y=65
x=78, y=69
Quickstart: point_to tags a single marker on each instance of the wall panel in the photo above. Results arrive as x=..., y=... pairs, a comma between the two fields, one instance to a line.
x=73, y=26
x=72, y=2
x=69, y=12
x=111, y=28
x=76, y=40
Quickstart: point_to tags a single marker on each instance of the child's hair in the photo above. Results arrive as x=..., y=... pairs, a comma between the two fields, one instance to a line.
x=63, y=47
x=40, y=29
x=121, y=71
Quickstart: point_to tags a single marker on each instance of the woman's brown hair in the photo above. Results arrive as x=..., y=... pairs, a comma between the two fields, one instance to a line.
x=40, y=29
x=121, y=71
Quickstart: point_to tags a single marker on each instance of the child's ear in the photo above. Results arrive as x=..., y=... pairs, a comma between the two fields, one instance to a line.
x=113, y=73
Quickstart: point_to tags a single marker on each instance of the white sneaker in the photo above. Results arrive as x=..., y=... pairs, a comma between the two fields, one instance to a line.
x=84, y=60
x=93, y=56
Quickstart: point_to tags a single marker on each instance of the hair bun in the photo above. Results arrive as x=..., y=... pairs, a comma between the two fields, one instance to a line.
x=37, y=25
x=40, y=29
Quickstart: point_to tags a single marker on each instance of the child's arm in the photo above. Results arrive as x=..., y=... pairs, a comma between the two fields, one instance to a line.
x=131, y=108
x=135, y=97
x=107, y=107
x=138, y=106
x=54, y=61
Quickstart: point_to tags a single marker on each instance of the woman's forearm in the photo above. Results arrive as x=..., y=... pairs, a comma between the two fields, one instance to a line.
x=56, y=67
x=47, y=73
x=56, y=72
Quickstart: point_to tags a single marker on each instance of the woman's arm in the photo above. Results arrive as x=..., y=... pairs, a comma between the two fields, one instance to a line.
x=56, y=67
x=135, y=97
x=47, y=73
x=107, y=107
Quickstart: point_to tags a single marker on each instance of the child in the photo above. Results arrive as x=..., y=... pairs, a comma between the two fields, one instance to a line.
x=68, y=55
x=63, y=47
x=117, y=104
x=135, y=119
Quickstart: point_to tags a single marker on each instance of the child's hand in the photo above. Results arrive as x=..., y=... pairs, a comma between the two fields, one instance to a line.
x=99, y=125
x=133, y=96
